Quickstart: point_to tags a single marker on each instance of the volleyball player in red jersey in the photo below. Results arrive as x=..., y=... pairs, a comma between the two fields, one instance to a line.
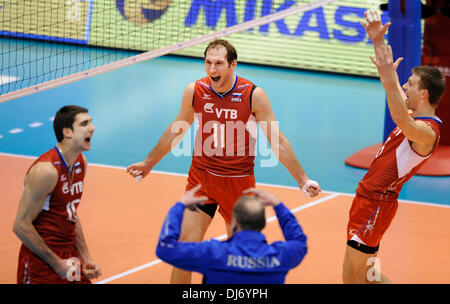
x=406, y=149
x=227, y=108
x=53, y=247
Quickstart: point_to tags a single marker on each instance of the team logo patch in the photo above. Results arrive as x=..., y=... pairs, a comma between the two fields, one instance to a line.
x=77, y=167
x=208, y=108
x=236, y=97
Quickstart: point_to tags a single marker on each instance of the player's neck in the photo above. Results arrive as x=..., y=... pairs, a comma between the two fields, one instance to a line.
x=226, y=86
x=68, y=153
x=424, y=112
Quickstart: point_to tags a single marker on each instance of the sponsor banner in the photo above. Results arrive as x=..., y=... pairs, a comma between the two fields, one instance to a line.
x=328, y=38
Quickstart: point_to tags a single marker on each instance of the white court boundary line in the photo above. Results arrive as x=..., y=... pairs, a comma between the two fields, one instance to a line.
x=219, y=238
x=258, y=184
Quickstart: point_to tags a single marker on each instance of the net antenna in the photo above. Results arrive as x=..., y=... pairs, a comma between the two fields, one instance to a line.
x=39, y=87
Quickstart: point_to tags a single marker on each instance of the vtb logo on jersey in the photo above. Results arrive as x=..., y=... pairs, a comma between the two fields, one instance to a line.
x=208, y=108
x=227, y=113
x=76, y=188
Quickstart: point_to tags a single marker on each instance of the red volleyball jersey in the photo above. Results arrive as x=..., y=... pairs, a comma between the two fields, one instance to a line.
x=226, y=134
x=395, y=163
x=56, y=221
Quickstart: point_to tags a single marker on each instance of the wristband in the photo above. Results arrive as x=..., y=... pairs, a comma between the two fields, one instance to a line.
x=308, y=184
x=137, y=175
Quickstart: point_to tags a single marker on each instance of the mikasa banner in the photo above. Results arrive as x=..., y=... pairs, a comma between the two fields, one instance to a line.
x=328, y=38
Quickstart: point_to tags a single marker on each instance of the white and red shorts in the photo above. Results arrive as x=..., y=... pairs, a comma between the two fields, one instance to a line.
x=223, y=191
x=33, y=270
x=368, y=221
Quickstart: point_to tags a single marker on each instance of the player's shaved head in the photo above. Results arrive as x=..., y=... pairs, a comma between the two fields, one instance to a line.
x=249, y=213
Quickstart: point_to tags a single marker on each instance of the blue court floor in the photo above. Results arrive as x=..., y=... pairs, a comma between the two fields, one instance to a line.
x=326, y=118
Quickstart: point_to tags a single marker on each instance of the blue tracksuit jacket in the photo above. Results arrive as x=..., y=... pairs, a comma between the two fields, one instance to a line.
x=244, y=258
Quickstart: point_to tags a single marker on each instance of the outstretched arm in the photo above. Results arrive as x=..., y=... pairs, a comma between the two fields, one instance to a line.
x=418, y=132
x=376, y=32
x=171, y=136
x=280, y=144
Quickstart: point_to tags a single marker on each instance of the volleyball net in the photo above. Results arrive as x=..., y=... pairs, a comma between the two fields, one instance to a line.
x=49, y=43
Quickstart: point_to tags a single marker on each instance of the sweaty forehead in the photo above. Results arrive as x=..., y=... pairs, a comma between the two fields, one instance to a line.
x=414, y=78
x=80, y=117
x=216, y=53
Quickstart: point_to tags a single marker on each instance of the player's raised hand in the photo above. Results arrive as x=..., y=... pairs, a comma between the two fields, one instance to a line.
x=374, y=28
x=266, y=198
x=191, y=200
x=385, y=63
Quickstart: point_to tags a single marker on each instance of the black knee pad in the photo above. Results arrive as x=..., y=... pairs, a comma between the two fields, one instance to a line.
x=363, y=248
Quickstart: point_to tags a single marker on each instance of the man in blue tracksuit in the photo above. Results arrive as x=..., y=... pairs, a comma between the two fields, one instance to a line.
x=245, y=257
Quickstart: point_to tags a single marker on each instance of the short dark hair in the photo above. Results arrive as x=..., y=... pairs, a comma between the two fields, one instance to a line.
x=65, y=118
x=231, y=51
x=432, y=80
x=249, y=213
